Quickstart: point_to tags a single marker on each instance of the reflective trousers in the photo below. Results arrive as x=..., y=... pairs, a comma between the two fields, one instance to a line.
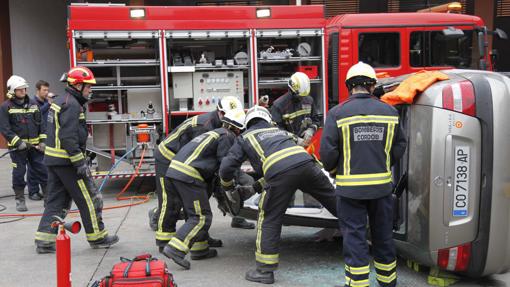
x=353, y=214
x=64, y=186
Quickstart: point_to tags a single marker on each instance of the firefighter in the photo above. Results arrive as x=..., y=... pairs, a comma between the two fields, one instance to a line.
x=163, y=155
x=190, y=169
x=361, y=140
x=42, y=99
x=20, y=124
x=295, y=112
x=69, y=177
x=284, y=167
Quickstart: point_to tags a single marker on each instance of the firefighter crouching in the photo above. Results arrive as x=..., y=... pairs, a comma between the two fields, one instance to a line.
x=285, y=167
x=162, y=220
x=188, y=174
x=69, y=178
x=295, y=112
x=20, y=124
x=361, y=140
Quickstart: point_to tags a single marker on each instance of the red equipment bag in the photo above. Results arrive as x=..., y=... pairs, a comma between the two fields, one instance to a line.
x=143, y=270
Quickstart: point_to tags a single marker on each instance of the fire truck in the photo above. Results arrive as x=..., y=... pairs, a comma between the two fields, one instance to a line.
x=157, y=66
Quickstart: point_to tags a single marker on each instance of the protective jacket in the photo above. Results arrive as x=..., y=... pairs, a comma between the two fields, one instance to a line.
x=289, y=111
x=200, y=158
x=184, y=133
x=67, y=130
x=270, y=150
x=20, y=120
x=361, y=140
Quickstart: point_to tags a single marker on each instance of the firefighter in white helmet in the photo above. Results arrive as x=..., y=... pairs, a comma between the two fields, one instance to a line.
x=284, y=168
x=21, y=125
x=162, y=220
x=187, y=177
x=361, y=140
x=295, y=111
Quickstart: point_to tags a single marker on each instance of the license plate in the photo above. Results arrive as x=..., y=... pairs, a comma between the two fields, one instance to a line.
x=461, y=182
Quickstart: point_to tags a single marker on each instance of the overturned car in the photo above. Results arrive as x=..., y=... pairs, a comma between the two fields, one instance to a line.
x=453, y=184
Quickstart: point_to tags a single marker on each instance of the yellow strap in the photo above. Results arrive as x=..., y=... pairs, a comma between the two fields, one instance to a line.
x=55, y=107
x=14, y=140
x=389, y=142
x=259, y=222
x=208, y=138
x=92, y=211
x=77, y=157
x=367, y=119
x=226, y=183
x=387, y=279
x=97, y=235
x=281, y=154
x=356, y=283
x=363, y=179
x=267, y=258
x=179, y=245
x=164, y=236
x=297, y=114
x=199, y=226
x=358, y=270
x=43, y=136
x=55, y=152
x=186, y=169
x=346, y=149
x=385, y=267
x=82, y=116
x=163, y=206
x=167, y=153
x=43, y=236
x=200, y=245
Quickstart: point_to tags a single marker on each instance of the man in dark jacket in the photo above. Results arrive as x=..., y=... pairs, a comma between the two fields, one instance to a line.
x=295, y=111
x=187, y=178
x=362, y=138
x=41, y=99
x=20, y=124
x=285, y=167
x=69, y=177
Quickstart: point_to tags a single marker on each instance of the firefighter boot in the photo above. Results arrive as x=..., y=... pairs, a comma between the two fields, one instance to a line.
x=106, y=242
x=214, y=242
x=177, y=257
x=20, y=200
x=153, y=219
x=240, y=222
x=204, y=254
x=255, y=275
x=45, y=248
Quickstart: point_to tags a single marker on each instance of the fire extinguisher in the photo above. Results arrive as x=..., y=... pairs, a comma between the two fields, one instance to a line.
x=63, y=246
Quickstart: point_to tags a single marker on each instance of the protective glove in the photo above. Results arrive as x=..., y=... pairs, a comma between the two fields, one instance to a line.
x=222, y=202
x=41, y=147
x=22, y=146
x=227, y=187
x=300, y=142
x=83, y=171
x=258, y=186
x=245, y=192
x=307, y=136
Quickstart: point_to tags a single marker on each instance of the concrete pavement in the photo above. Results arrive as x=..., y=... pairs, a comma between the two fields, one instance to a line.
x=303, y=261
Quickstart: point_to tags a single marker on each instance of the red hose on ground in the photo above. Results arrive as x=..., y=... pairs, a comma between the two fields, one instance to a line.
x=144, y=198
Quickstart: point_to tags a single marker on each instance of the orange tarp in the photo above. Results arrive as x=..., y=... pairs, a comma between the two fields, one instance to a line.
x=413, y=85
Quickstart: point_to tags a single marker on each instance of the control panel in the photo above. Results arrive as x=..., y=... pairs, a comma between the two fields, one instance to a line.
x=210, y=87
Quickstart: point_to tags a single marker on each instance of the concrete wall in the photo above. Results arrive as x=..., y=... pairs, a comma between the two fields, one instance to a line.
x=38, y=41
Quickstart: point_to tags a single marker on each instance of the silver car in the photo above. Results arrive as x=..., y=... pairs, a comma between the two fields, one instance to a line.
x=454, y=211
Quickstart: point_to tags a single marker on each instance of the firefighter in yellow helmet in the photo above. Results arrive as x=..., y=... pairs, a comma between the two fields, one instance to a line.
x=361, y=140
x=69, y=177
x=295, y=111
